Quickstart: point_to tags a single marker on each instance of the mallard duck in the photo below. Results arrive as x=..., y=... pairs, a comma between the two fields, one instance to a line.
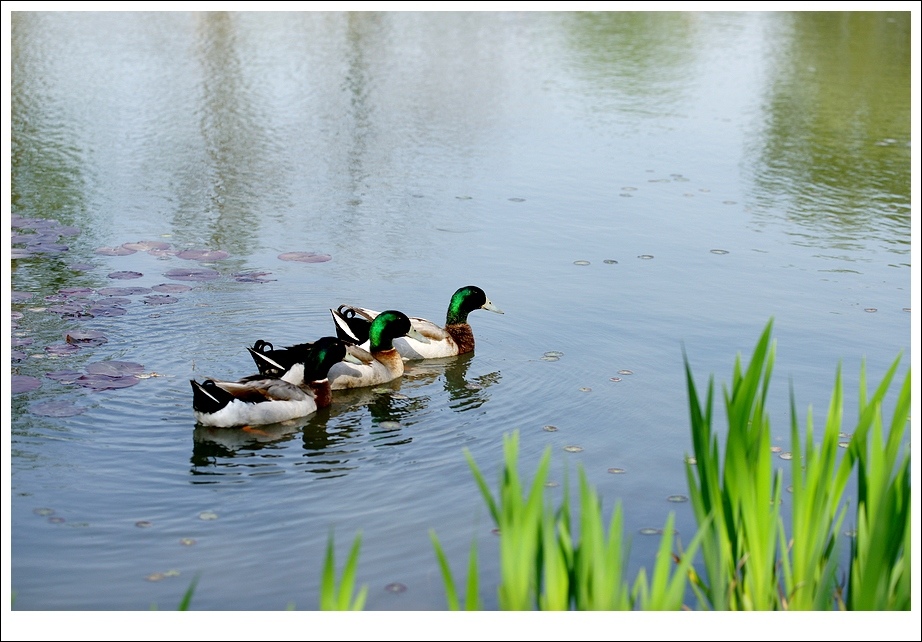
x=455, y=338
x=381, y=363
x=258, y=399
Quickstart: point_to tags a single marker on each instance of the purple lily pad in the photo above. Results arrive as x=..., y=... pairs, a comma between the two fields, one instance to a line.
x=114, y=368
x=107, y=311
x=252, y=277
x=21, y=341
x=113, y=300
x=75, y=290
x=125, y=274
x=160, y=299
x=62, y=349
x=85, y=337
x=104, y=382
x=69, y=230
x=66, y=308
x=57, y=409
x=114, y=251
x=192, y=274
x=144, y=246
x=23, y=383
x=17, y=355
x=305, y=257
x=171, y=288
x=22, y=222
x=129, y=291
x=19, y=253
x=203, y=255
x=64, y=376
x=48, y=247
x=16, y=297
x=15, y=315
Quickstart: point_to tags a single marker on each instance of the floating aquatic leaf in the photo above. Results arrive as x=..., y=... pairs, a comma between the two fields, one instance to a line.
x=203, y=255
x=115, y=368
x=645, y=256
x=19, y=253
x=870, y=309
x=550, y=428
x=21, y=341
x=581, y=262
x=107, y=311
x=144, y=246
x=171, y=288
x=550, y=358
x=114, y=251
x=615, y=379
x=16, y=297
x=57, y=409
x=252, y=277
x=48, y=247
x=111, y=301
x=160, y=299
x=617, y=471
x=17, y=355
x=15, y=316
x=585, y=389
x=610, y=261
x=76, y=290
x=625, y=372
x=553, y=353
x=192, y=274
x=85, y=337
x=573, y=449
x=305, y=257
x=105, y=382
x=719, y=252
x=207, y=515
x=62, y=349
x=64, y=376
x=123, y=291
x=125, y=274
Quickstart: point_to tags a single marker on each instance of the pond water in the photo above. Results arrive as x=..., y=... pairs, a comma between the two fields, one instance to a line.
x=624, y=186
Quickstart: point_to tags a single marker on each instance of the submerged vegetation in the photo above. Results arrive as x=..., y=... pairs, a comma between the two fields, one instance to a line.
x=749, y=560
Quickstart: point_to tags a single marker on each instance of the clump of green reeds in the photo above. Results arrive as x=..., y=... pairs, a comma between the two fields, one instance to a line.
x=544, y=566
x=749, y=561
x=343, y=597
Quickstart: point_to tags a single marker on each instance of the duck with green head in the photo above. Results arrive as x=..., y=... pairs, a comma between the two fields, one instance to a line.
x=454, y=338
x=258, y=399
x=381, y=362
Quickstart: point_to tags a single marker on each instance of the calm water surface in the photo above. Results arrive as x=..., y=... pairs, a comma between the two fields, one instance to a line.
x=623, y=186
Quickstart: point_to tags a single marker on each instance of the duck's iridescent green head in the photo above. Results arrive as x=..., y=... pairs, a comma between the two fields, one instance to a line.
x=387, y=326
x=324, y=352
x=464, y=301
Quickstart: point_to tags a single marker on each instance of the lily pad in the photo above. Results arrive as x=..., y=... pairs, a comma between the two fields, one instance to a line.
x=125, y=274
x=144, y=246
x=114, y=251
x=85, y=337
x=104, y=382
x=160, y=299
x=57, y=409
x=62, y=349
x=24, y=383
x=203, y=255
x=115, y=368
x=192, y=274
x=305, y=257
x=171, y=288
x=123, y=291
